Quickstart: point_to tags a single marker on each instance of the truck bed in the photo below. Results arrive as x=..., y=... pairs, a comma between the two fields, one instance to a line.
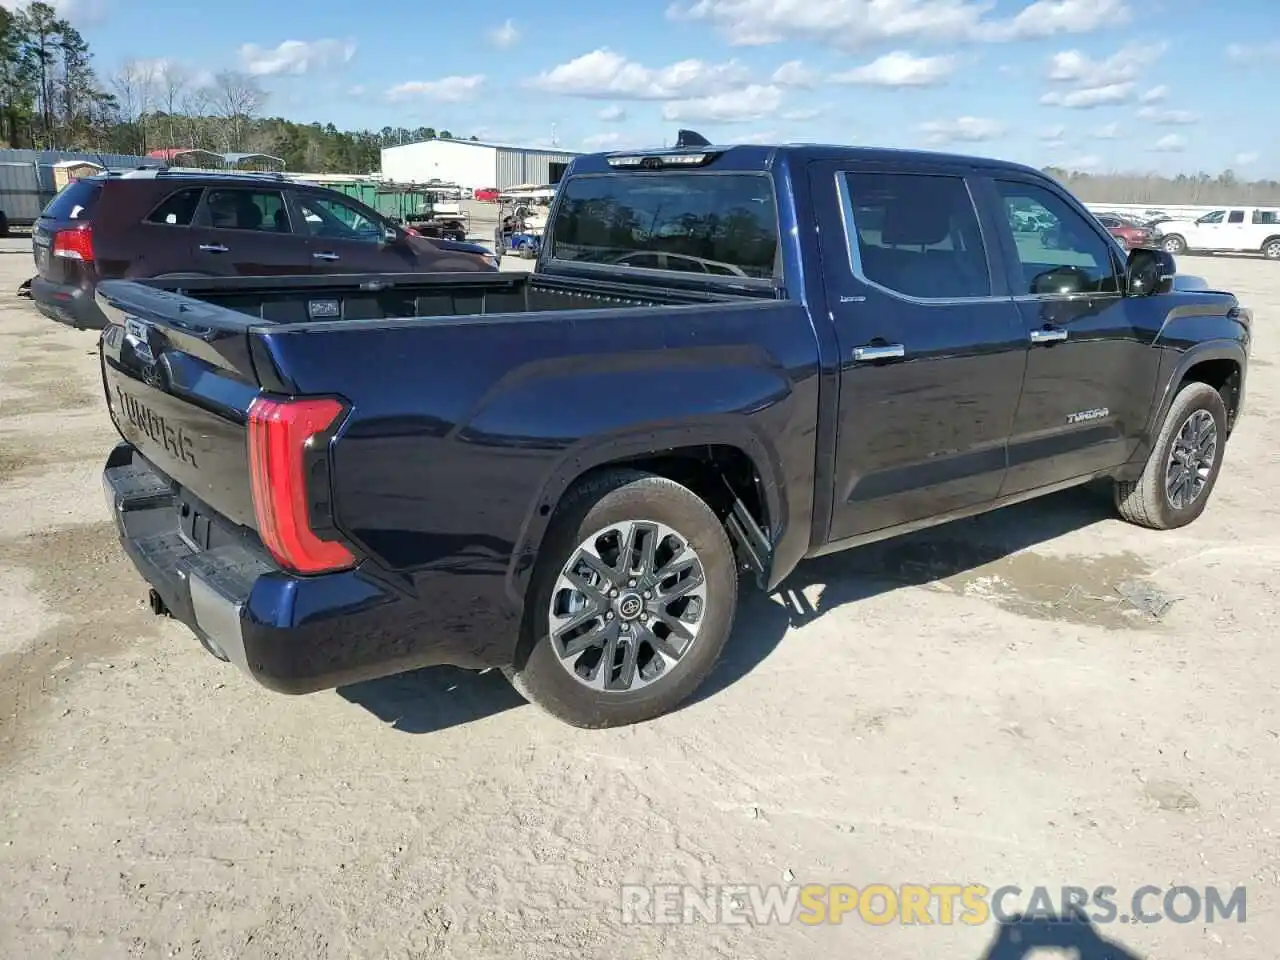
x=288, y=300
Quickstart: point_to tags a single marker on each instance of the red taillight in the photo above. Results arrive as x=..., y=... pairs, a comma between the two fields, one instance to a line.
x=281, y=438
x=74, y=244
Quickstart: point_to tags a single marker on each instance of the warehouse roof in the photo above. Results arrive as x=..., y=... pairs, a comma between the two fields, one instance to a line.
x=489, y=143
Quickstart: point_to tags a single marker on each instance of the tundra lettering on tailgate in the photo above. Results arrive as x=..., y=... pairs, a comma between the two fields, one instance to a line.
x=174, y=439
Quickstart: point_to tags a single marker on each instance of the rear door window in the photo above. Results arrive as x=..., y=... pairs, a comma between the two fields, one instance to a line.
x=75, y=201
x=177, y=209
x=722, y=224
x=1235, y=216
x=918, y=235
x=239, y=209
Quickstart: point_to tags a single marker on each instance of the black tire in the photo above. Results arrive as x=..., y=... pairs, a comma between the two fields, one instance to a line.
x=1145, y=501
x=1271, y=248
x=1173, y=243
x=4, y=224
x=612, y=498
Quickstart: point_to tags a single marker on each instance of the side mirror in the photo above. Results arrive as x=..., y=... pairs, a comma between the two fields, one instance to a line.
x=1149, y=272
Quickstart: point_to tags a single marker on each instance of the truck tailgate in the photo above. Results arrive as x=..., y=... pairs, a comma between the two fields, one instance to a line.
x=180, y=395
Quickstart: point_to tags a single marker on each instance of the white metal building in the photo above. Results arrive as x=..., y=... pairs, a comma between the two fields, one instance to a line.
x=475, y=164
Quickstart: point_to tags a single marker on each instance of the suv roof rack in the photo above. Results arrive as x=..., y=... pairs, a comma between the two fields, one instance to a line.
x=179, y=173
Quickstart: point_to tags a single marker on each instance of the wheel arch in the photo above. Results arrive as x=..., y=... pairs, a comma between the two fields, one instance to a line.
x=720, y=465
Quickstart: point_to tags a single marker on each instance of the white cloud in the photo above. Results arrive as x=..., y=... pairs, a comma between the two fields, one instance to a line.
x=1049, y=18
x=356, y=91
x=605, y=74
x=296, y=56
x=857, y=24
x=847, y=24
x=1254, y=52
x=1086, y=98
x=1154, y=95
x=1168, y=117
x=612, y=114
x=899, y=69
x=1247, y=158
x=805, y=113
x=962, y=129
x=445, y=90
x=794, y=73
x=505, y=35
x=1173, y=143
x=1110, y=131
x=1127, y=63
x=754, y=102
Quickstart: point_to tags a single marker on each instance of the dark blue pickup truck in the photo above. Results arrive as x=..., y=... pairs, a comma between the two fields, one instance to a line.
x=727, y=359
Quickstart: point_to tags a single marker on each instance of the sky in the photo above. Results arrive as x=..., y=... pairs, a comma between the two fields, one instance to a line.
x=1098, y=85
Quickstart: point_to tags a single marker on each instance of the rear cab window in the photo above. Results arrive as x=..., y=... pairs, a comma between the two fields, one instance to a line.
x=722, y=225
x=75, y=201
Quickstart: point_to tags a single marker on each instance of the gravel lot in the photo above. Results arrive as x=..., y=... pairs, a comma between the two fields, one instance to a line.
x=977, y=703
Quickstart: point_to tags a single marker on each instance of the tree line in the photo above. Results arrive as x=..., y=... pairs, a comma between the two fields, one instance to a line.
x=53, y=98
x=1189, y=189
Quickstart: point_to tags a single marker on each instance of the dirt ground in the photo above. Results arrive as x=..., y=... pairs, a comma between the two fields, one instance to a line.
x=976, y=704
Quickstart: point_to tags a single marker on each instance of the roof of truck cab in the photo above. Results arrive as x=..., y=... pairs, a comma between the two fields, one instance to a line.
x=764, y=156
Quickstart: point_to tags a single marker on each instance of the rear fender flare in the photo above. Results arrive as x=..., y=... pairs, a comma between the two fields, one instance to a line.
x=615, y=448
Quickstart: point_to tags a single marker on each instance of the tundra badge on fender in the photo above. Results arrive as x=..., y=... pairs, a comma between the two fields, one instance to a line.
x=1083, y=416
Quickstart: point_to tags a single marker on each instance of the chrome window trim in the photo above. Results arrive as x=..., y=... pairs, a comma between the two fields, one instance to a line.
x=854, y=251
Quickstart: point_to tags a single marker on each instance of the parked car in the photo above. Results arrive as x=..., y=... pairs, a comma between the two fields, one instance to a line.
x=1130, y=233
x=1230, y=230
x=156, y=223
x=488, y=194
x=563, y=473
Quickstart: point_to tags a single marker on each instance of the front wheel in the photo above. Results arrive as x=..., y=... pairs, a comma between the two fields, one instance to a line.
x=632, y=601
x=1184, y=463
x=1174, y=244
x=1271, y=249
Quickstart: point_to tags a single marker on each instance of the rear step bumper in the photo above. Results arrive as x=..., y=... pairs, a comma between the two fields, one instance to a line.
x=206, y=590
x=292, y=634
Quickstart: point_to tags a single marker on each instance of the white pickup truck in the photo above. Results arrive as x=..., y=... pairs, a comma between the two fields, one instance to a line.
x=1229, y=230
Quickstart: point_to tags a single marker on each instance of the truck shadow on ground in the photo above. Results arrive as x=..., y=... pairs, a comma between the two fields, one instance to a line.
x=974, y=557
x=436, y=698
x=1020, y=938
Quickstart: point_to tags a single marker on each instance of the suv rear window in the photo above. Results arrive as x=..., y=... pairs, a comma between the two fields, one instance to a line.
x=75, y=201
x=719, y=224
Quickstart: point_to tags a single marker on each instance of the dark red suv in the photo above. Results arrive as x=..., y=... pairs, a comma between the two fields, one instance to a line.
x=155, y=223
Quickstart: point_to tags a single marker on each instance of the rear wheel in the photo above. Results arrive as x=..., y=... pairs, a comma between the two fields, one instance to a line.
x=1271, y=248
x=1174, y=244
x=1184, y=463
x=632, y=602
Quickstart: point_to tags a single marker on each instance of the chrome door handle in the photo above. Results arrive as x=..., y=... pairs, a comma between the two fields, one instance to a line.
x=213, y=248
x=889, y=351
x=325, y=256
x=1048, y=336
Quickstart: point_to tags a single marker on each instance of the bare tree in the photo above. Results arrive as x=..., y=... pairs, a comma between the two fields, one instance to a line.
x=171, y=89
x=135, y=88
x=195, y=108
x=236, y=98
